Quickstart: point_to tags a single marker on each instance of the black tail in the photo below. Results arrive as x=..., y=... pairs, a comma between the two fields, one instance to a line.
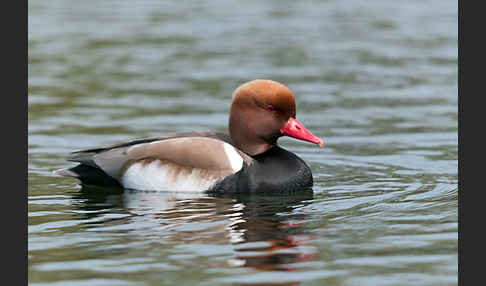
x=89, y=175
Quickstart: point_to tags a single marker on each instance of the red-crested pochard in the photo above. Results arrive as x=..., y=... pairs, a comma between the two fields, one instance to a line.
x=247, y=160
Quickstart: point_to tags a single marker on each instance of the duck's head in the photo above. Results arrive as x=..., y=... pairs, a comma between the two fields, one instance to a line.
x=261, y=112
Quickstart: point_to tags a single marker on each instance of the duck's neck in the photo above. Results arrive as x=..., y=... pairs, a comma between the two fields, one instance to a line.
x=246, y=141
x=252, y=149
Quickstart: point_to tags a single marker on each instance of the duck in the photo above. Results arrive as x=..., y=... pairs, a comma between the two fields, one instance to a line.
x=247, y=160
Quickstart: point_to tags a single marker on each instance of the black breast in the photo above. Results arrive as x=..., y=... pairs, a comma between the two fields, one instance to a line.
x=276, y=170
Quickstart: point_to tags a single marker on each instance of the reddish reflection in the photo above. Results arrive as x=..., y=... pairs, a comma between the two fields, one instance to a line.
x=271, y=231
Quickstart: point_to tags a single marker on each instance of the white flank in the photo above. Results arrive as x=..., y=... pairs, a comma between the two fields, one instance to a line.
x=234, y=158
x=157, y=177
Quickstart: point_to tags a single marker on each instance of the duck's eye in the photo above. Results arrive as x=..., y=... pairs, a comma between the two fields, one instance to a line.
x=271, y=108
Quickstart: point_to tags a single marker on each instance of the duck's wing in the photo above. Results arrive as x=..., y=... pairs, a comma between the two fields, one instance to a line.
x=208, y=134
x=170, y=162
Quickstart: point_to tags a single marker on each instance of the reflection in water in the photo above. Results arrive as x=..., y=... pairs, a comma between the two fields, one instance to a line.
x=263, y=219
x=265, y=230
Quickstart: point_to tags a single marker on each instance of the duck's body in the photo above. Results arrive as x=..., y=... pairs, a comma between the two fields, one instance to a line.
x=248, y=160
x=275, y=170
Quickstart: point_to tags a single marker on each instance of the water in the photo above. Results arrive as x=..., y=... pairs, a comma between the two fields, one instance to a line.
x=377, y=80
